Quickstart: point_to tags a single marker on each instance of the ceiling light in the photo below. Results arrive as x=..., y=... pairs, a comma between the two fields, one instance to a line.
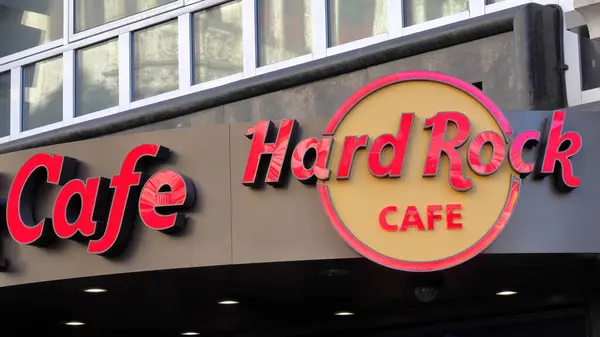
x=95, y=290
x=506, y=293
x=344, y=313
x=334, y=272
x=190, y=333
x=228, y=302
x=74, y=323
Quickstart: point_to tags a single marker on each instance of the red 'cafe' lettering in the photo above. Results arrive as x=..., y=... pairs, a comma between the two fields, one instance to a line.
x=98, y=210
x=413, y=218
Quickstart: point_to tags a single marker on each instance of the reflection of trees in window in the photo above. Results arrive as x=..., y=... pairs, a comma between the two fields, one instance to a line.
x=284, y=30
x=29, y=23
x=419, y=11
x=93, y=13
x=218, y=42
x=351, y=20
x=97, y=78
x=42, y=93
x=155, y=60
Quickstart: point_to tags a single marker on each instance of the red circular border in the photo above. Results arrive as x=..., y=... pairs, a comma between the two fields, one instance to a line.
x=475, y=249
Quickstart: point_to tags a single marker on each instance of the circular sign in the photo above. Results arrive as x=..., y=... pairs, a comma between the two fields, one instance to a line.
x=424, y=218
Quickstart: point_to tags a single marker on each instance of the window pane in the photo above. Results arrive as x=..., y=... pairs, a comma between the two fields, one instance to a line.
x=218, y=42
x=284, y=30
x=97, y=78
x=42, y=93
x=351, y=20
x=590, y=63
x=93, y=13
x=419, y=11
x=29, y=23
x=5, y=104
x=155, y=60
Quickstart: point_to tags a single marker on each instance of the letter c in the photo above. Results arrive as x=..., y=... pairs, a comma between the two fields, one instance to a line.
x=382, y=219
x=40, y=169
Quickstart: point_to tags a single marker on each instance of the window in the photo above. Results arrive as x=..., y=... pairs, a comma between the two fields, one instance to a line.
x=42, y=93
x=589, y=54
x=93, y=13
x=29, y=23
x=218, y=42
x=351, y=20
x=110, y=67
x=97, y=78
x=419, y=11
x=284, y=30
x=155, y=60
x=5, y=104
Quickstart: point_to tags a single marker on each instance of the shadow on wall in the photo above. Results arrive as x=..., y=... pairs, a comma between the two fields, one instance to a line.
x=30, y=23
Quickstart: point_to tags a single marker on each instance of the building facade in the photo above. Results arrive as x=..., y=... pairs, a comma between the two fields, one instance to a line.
x=190, y=167
x=75, y=62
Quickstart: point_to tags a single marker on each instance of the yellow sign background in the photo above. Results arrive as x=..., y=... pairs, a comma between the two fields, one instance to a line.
x=359, y=200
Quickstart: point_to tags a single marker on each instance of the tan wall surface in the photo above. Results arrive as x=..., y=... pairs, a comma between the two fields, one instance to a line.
x=231, y=223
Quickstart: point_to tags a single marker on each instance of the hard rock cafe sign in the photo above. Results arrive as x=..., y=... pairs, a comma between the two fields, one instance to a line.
x=417, y=171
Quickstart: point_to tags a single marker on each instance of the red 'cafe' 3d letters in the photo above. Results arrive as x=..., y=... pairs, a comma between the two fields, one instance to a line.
x=98, y=210
x=396, y=170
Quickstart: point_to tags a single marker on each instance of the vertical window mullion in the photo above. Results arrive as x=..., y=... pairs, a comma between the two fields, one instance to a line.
x=185, y=35
x=66, y=20
x=395, y=18
x=16, y=101
x=68, y=87
x=476, y=8
x=125, y=50
x=573, y=76
x=319, y=26
x=250, y=24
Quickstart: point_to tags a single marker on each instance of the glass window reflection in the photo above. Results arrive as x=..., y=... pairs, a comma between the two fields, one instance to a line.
x=29, y=23
x=420, y=11
x=352, y=20
x=218, y=42
x=93, y=13
x=42, y=93
x=284, y=30
x=97, y=78
x=155, y=60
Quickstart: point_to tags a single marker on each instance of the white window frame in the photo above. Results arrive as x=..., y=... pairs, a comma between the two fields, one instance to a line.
x=443, y=21
x=183, y=10
x=514, y=3
x=116, y=23
x=124, y=35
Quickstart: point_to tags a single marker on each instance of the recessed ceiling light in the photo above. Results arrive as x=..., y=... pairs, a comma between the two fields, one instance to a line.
x=506, y=293
x=74, y=323
x=95, y=290
x=344, y=313
x=190, y=333
x=228, y=302
x=334, y=272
